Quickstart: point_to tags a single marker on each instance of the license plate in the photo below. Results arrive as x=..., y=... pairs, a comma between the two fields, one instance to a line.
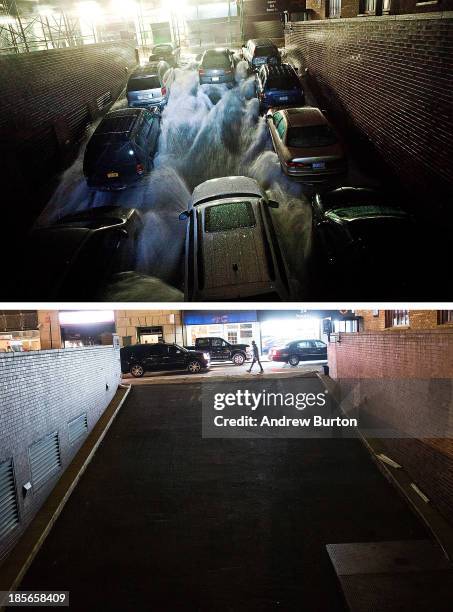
x=215, y=79
x=319, y=166
x=112, y=174
x=283, y=98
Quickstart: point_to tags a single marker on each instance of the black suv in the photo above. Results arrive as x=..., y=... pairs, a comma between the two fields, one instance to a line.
x=122, y=148
x=300, y=350
x=137, y=359
x=278, y=87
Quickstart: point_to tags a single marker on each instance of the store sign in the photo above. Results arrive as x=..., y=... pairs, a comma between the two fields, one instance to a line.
x=218, y=317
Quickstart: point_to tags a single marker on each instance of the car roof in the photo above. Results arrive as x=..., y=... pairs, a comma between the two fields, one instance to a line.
x=217, y=51
x=304, y=116
x=150, y=69
x=119, y=121
x=263, y=42
x=226, y=187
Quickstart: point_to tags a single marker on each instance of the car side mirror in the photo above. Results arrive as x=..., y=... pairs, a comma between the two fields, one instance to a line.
x=184, y=215
x=273, y=204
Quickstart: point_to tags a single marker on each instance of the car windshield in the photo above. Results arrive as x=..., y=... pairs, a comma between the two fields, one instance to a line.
x=266, y=52
x=356, y=212
x=232, y=215
x=216, y=60
x=143, y=82
x=311, y=136
x=282, y=82
x=162, y=49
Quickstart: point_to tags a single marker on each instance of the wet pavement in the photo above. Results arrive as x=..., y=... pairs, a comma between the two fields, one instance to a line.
x=163, y=519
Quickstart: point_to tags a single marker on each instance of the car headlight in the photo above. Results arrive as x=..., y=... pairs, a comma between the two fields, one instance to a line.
x=207, y=356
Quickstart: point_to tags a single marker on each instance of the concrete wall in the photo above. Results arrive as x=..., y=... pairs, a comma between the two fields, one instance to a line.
x=48, y=98
x=405, y=384
x=127, y=322
x=39, y=393
x=390, y=79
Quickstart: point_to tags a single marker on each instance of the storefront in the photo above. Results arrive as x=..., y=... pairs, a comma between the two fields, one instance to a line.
x=269, y=328
x=86, y=328
x=236, y=326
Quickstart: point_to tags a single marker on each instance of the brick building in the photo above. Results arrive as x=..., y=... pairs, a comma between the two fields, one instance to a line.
x=398, y=372
x=345, y=9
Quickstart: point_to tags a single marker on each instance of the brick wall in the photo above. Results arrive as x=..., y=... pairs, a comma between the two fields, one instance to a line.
x=388, y=78
x=418, y=319
x=39, y=393
x=127, y=322
x=405, y=384
x=48, y=98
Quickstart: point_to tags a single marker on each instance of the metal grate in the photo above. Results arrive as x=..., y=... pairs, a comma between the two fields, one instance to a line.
x=9, y=511
x=45, y=459
x=77, y=427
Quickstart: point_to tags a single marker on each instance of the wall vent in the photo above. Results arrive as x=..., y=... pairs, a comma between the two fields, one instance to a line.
x=9, y=511
x=77, y=427
x=45, y=459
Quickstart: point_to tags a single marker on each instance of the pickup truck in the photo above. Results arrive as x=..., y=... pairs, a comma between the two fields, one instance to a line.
x=221, y=350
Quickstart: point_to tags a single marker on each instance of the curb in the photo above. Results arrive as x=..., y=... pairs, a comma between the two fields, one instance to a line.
x=22, y=555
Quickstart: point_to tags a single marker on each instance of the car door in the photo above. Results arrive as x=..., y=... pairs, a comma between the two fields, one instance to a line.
x=321, y=349
x=305, y=350
x=175, y=358
x=218, y=349
x=153, y=357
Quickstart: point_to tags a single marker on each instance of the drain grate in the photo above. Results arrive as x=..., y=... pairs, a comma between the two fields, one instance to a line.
x=44, y=458
x=77, y=427
x=9, y=511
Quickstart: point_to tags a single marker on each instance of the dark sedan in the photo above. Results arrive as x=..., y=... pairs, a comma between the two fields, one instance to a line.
x=75, y=257
x=140, y=358
x=359, y=231
x=166, y=52
x=300, y=350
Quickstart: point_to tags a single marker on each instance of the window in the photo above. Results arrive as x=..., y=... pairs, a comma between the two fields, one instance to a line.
x=311, y=136
x=246, y=330
x=281, y=129
x=444, y=316
x=305, y=344
x=277, y=118
x=386, y=6
x=217, y=342
x=334, y=8
x=234, y=215
x=396, y=318
x=232, y=337
x=202, y=342
x=319, y=344
x=369, y=6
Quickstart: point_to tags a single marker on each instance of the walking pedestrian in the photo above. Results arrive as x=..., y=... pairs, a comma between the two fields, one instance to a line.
x=256, y=357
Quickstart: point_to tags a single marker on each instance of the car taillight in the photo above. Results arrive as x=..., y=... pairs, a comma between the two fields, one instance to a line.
x=163, y=91
x=293, y=164
x=140, y=169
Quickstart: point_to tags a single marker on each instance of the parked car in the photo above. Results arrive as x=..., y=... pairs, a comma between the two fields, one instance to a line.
x=307, y=145
x=260, y=51
x=216, y=66
x=221, y=350
x=232, y=251
x=166, y=52
x=278, y=87
x=121, y=149
x=74, y=258
x=137, y=359
x=300, y=350
x=146, y=86
x=360, y=227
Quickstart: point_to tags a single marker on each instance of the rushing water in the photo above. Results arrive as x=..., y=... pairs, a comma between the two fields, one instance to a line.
x=206, y=132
